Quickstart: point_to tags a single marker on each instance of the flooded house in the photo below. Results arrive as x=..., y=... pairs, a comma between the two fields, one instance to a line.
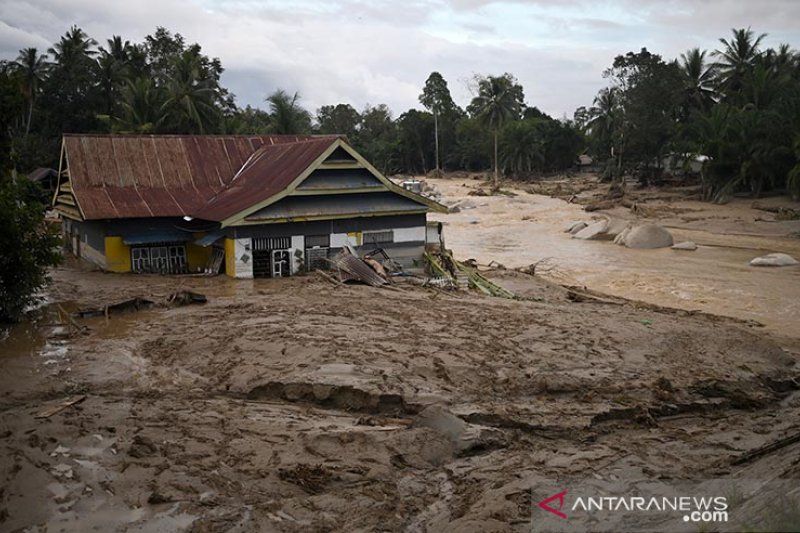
x=248, y=206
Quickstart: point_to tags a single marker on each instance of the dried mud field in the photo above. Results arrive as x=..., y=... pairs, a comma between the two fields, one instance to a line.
x=298, y=405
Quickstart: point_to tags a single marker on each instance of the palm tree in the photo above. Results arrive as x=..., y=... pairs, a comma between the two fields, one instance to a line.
x=118, y=49
x=190, y=103
x=141, y=108
x=74, y=48
x=522, y=148
x=497, y=103
x=605, y=124
x=286, y=114
x=698, y=79
x=737, y=58
x=33, y=67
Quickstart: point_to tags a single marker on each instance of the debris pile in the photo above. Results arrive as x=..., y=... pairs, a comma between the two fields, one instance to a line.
x=176, y=299
x=444, y=265
x=350, y=268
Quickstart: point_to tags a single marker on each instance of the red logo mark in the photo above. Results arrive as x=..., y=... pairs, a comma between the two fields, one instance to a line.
x=560, y=498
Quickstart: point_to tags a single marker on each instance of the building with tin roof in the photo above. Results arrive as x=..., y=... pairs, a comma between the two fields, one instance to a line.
x=251, y=206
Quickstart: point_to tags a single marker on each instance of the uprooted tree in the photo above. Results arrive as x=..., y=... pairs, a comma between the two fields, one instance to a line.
x=28, y=247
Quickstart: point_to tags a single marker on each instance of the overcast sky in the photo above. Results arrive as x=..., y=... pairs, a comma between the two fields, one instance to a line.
x=378, y=51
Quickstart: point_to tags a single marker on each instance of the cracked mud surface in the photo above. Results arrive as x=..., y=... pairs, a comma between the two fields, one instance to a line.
x=294, y=405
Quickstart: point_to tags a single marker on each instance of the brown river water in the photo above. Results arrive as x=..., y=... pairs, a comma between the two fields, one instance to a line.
x=517, y=231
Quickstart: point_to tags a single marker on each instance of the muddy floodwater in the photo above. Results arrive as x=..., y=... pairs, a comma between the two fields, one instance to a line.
x=517, y=231
x=297, y=404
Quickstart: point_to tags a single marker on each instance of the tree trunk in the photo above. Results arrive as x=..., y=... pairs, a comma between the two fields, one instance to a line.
x=495, y=158
x=30, y=114
x=436, y=140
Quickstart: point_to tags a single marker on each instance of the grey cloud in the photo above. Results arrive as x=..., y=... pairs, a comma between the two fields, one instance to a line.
x=356, y=52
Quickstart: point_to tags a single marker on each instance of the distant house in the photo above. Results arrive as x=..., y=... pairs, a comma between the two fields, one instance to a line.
x=255, y=206
x=46, y=178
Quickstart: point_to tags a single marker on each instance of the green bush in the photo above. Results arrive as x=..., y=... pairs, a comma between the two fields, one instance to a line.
x=28, y=247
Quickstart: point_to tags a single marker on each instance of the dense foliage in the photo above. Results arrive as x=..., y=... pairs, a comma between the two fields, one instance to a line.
x=166, y=85
x=27, y=247
x=733, y=112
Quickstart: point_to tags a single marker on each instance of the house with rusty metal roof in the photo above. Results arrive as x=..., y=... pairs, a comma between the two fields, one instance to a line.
x=251, y=206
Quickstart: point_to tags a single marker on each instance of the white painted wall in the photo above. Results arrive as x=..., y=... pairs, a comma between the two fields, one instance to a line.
x=243, y=257
x=410, y=234
x=338, y=240
x=432, y=236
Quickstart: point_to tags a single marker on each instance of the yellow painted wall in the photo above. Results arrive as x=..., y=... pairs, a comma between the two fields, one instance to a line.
x=197, y=256
x=118, y=255
x=230, y=258
x=356, y=235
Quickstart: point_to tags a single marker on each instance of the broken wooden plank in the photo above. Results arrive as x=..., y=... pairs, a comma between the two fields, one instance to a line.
x=766, y=449
x=51, y=410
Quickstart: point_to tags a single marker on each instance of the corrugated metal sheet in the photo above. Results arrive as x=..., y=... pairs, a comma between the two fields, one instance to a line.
x=133, y=176
x=271, y=169
x=351, y=267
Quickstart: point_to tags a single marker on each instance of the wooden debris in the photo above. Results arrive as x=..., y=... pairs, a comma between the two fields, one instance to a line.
x=445, y=265
x=328, y=277
x=72, y=322
x=766, y=449
x=51, y=410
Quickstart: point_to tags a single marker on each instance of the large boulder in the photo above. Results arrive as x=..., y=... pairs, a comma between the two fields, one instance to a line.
x=620, y=238
x=575, y=227
x=648, y=236
x=616, y=226
x=593, y=231
x=774, y=260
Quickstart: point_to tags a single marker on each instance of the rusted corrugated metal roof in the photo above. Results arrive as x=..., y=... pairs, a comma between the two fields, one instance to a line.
x=133, y=176
x=271, y=169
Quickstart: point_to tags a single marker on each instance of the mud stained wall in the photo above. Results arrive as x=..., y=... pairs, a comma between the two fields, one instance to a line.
x=87, y=237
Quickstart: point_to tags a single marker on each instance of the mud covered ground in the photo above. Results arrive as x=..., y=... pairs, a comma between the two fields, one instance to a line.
x=297, y=405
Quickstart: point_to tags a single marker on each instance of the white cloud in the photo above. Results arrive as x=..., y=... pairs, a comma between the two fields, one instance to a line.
x=381, y=51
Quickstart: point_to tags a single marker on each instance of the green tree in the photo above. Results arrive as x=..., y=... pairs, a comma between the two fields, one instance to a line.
x=341, y=119
x=28, y=247
x=68, y=92
x=141, y=108
x=191, y=96
x=286, y=115
x=522, y=147
x=604, y=126
x=415, y=130
x=698, y=80
x=736, y=58
x=650, y=92
x=500, y=100
x=437, y=99
x=377, y=137
x=33, y=68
